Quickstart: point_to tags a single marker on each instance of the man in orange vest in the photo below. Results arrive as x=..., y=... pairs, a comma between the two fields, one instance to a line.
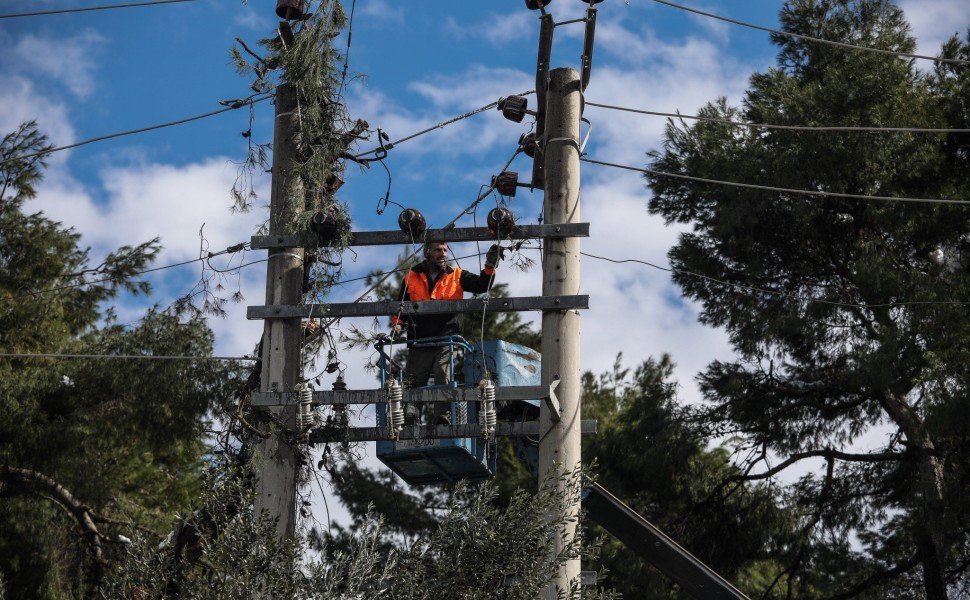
x=435, y=279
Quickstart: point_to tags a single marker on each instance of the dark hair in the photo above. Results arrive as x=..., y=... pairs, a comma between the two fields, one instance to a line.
x=427, y=247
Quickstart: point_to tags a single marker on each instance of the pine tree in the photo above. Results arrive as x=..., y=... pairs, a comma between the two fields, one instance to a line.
x=646, y=453
x=91, y=449
x=846, y=313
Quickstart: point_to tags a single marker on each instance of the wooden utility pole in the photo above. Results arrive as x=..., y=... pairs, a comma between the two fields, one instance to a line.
x=275, y=461
x=559, y=422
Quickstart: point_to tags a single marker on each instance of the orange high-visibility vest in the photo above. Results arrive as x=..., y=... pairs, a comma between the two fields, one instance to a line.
x=451, y=285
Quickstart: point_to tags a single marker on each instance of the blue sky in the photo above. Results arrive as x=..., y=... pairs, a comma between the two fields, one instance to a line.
x=420, y=62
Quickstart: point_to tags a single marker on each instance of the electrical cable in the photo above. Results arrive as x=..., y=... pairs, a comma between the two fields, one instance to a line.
x=350, y=37
x=488, y=106
x=235, y=104
x=768, y=188
x=90, y=8
x=785, y=127
x=122, y=356
x=230, y=250
x=470, y=207
x=777, y=293
x=955, y=61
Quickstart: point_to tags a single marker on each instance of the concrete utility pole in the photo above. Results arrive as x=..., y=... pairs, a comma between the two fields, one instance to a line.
x=276, y=464
x=559, y=448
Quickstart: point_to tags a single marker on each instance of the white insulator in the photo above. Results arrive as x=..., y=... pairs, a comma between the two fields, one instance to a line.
x=340, y=416
x=487, y=419
x=304, y=408
x=395, y=407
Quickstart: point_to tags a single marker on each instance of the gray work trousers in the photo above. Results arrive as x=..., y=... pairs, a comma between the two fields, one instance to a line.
x=422, y=364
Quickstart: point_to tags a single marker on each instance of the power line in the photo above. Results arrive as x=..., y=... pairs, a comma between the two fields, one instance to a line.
x=787, y=127
x=74, y=10
x=123, y=356
x=388, y=146
x=229, y=250
x=467, y=210
x=769, y=188
x=776, y=292
x=233, y=106
x=955, y=61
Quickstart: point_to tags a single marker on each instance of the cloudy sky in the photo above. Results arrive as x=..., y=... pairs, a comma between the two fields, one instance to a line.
x=412, y=65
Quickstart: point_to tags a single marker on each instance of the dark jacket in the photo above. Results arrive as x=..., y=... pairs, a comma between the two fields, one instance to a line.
x=451, y=285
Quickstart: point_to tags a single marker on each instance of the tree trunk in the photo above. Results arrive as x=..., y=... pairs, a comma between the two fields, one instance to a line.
x=930, y=533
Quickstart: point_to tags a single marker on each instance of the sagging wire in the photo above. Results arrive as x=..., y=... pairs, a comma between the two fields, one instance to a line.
x=350, y=37
x=381, y=155
x=769, y=188
x=231, y=249
x=404, y=265
x=229, y=105
x=391, y=145
x=467, y=211
x=955, y=61
x=730, y=123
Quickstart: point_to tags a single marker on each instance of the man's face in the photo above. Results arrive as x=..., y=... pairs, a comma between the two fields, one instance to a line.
x=438, y=254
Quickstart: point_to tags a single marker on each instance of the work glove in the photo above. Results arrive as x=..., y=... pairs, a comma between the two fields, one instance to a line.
x=493, y=256
x=397, y=332
x=310, y=328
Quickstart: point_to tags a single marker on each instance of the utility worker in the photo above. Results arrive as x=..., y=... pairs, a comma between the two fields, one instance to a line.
x=434, y=279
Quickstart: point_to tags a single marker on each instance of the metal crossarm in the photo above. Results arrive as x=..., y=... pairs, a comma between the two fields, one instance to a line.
x=394, y=307
x=456, y=234
x=422, y=432
x=457, y=394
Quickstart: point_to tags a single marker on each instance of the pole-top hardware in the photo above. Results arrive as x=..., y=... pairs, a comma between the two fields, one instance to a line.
x=536, y=4
x=324, y=226
x=291, y=10
x=515, y=108
x=412, y=222
x=501, y=221
x=506, y=182
x=529, y=142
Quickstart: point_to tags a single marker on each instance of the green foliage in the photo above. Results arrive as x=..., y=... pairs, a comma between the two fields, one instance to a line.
x=646, y=453
x=118, y=442
x=308, y=61
x=840, y=309
x=22, y=155
x=478, y=551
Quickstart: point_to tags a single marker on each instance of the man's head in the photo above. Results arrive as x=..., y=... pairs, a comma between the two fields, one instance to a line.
x=437, y=253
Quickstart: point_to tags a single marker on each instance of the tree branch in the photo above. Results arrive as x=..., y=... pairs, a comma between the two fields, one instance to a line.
x=22, y=479
x=828, y=454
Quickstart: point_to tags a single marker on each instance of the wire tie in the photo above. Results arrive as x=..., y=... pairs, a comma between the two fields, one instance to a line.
x=569, y=141
x=290, y=254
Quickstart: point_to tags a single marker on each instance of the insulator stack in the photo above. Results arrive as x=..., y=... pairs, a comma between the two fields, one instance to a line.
x=487, y=417
x=340, y=419
x=304, y=414
x=395, y=408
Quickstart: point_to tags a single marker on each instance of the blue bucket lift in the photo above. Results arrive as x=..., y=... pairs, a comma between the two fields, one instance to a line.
x=431, y=460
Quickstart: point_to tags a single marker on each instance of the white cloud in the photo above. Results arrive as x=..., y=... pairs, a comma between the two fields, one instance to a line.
x=476, y=86
x=249, y=17
x=933, y=22
x=500, y=29
x=69, y=61
x=380, y=10
x=172, y=203
x=20, y=102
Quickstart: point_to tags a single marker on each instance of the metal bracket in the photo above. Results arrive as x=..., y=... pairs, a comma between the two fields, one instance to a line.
x=455, y=234
x=555, y=412
x=411, y=395
x=385, y=308
x=422, y=432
